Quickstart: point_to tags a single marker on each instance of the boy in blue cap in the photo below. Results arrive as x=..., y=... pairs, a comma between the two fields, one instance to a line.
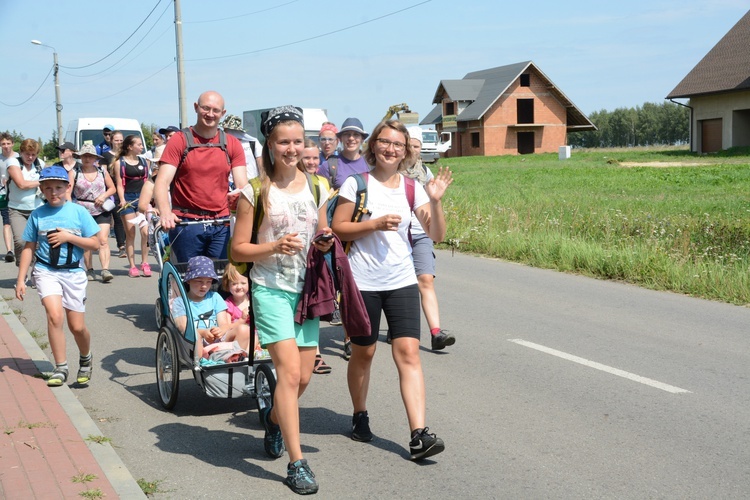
x=57, y=233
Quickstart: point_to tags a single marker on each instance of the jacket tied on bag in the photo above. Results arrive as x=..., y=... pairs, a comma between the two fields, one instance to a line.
x=319, y=293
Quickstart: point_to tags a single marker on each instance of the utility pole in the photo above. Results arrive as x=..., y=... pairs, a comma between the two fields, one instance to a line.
x=58, y=105
x=182, y=99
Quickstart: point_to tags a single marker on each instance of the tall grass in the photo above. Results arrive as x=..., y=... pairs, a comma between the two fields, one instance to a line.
x=683, y=229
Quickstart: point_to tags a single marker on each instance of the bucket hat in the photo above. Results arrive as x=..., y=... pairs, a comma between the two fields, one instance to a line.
x=353, y=125
x=200, y=267
x=87, y=149
x=232, y=122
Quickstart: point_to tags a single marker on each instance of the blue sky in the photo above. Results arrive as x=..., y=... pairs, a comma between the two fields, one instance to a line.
x=351, y=58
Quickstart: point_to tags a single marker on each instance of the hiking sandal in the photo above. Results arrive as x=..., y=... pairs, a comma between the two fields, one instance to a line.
x=57, y=377
x=320, y=366
x=84, y=372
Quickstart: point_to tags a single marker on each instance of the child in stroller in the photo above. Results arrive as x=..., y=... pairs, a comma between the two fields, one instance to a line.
x=212, y=321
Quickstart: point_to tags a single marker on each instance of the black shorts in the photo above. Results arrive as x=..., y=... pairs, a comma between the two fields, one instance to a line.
x=402, y=312
x=103, y=218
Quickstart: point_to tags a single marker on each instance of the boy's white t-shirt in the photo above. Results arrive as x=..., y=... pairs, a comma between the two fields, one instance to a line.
x=382, y=260
x=289, y=213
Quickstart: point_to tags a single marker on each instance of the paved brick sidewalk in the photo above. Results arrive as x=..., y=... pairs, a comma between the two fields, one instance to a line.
x=41, y=450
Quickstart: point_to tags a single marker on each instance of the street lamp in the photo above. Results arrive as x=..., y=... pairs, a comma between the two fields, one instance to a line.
x=58, y=106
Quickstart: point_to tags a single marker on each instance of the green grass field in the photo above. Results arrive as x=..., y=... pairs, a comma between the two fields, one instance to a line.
x=679, y=228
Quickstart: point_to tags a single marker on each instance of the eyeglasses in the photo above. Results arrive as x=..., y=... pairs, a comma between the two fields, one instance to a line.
x=385, y=143
x=209, y=109
x=327, y=139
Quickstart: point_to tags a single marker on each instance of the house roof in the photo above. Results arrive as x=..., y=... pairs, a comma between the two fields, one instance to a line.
x=485, y=87
x=726, y=67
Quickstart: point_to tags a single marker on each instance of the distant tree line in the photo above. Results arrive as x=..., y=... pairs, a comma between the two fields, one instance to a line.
x=648, y=125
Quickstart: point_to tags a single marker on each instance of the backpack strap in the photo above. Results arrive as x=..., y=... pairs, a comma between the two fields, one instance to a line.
x=333, y=167
x=360, y=203
x=409, y=188
x=191, y=144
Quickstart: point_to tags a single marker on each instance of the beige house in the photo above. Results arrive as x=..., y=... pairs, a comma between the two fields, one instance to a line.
x=513, y=109
x=719, y=92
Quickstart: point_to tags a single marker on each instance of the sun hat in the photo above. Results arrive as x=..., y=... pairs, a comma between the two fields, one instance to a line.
x=166, y=130
x=415, y=133
x=66, y=145
x=273, y=117
x=232, y=122
x=87, y=149
x=158, y=152
x=54, y=173
x=200, y=267
x=353, y=125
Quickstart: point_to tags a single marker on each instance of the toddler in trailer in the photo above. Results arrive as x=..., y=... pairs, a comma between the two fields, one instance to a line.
x=212, y=321
x=238, y=304
x=58, y=232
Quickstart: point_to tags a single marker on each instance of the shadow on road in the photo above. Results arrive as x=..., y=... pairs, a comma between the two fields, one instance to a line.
x=142, y=316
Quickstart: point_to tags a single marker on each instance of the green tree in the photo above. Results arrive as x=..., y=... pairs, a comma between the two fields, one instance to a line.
x=148, y=133
x=49, y=148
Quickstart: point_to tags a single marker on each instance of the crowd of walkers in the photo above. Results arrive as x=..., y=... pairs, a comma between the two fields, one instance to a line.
x=372, y=192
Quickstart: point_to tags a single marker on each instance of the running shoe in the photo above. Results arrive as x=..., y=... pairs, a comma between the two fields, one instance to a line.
x=300, y=478
x=134, y=273
x=361, y=427
x=347, y=349
x=335, y=318
x=106, y=276
x=90, y=275
x=146, y=269
x=425, y=445
x=273, y=442
x=122, y=253
x=9, y=257
x=441, y=340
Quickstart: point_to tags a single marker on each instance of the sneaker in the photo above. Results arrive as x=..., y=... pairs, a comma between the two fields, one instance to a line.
x=9, y=257
x=122, y=253
x=90, y=275
x=347, y=349
x=336, y=318
x=134, y=273
x=425, y=445
x=146, y=269
x=442, y=340
x=273, y=442
x=107, y=276
x=361, y=427
x=84, y=371
x=300, y=478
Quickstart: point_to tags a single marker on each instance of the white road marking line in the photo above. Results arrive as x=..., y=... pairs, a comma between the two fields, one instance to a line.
x=599, y=366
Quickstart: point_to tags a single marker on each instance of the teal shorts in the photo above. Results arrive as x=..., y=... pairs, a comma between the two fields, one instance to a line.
x=274, y=318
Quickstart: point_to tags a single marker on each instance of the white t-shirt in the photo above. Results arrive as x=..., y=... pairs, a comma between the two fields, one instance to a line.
x=382, y=260
x=289, y=213
x=24, y=199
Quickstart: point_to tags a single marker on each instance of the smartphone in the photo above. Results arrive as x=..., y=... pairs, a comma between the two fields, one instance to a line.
x=324, y=237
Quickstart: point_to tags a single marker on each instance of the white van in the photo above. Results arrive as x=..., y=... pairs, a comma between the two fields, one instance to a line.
x=313, y=118
x=83, y=130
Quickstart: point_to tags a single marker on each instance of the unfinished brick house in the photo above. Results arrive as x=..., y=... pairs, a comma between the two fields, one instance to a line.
x=513, y=109
x=719, y=91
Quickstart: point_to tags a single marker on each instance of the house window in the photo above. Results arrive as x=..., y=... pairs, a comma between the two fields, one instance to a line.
x=526, y=80
x=475, y=139
x=450, y=108
x=525, y=110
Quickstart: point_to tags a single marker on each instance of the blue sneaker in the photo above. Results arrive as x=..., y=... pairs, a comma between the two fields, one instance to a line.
x=300, y=478
x=272, y=441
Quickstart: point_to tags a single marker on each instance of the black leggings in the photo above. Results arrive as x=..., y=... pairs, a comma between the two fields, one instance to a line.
x=402, y=311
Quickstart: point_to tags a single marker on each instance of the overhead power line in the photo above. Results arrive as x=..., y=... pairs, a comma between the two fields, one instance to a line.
x=312, y=37
x=118, y=47
x=35, y=92
x=240, y=15
x=128, y=88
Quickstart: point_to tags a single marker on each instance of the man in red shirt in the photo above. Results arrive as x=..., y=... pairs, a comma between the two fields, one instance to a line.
x=201, y=183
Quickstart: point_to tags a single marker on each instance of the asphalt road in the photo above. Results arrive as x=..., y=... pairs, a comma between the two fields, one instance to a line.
x=558, y=386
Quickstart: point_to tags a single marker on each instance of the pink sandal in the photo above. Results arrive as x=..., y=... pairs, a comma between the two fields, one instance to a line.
x=146, y=269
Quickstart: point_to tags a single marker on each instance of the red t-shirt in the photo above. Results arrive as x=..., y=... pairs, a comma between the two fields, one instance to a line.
x=202, y=182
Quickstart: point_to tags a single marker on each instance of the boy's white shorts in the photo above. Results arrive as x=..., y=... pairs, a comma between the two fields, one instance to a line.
x=70, y=285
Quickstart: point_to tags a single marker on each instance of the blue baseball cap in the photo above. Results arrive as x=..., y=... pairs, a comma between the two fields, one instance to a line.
x=54, y=173
x=109, y=127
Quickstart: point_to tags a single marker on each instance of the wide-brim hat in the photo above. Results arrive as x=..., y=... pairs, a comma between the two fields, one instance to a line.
x=232, y=122
x=54, y=173
x=353, y=125
x=200, y=267
x=87, y=149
